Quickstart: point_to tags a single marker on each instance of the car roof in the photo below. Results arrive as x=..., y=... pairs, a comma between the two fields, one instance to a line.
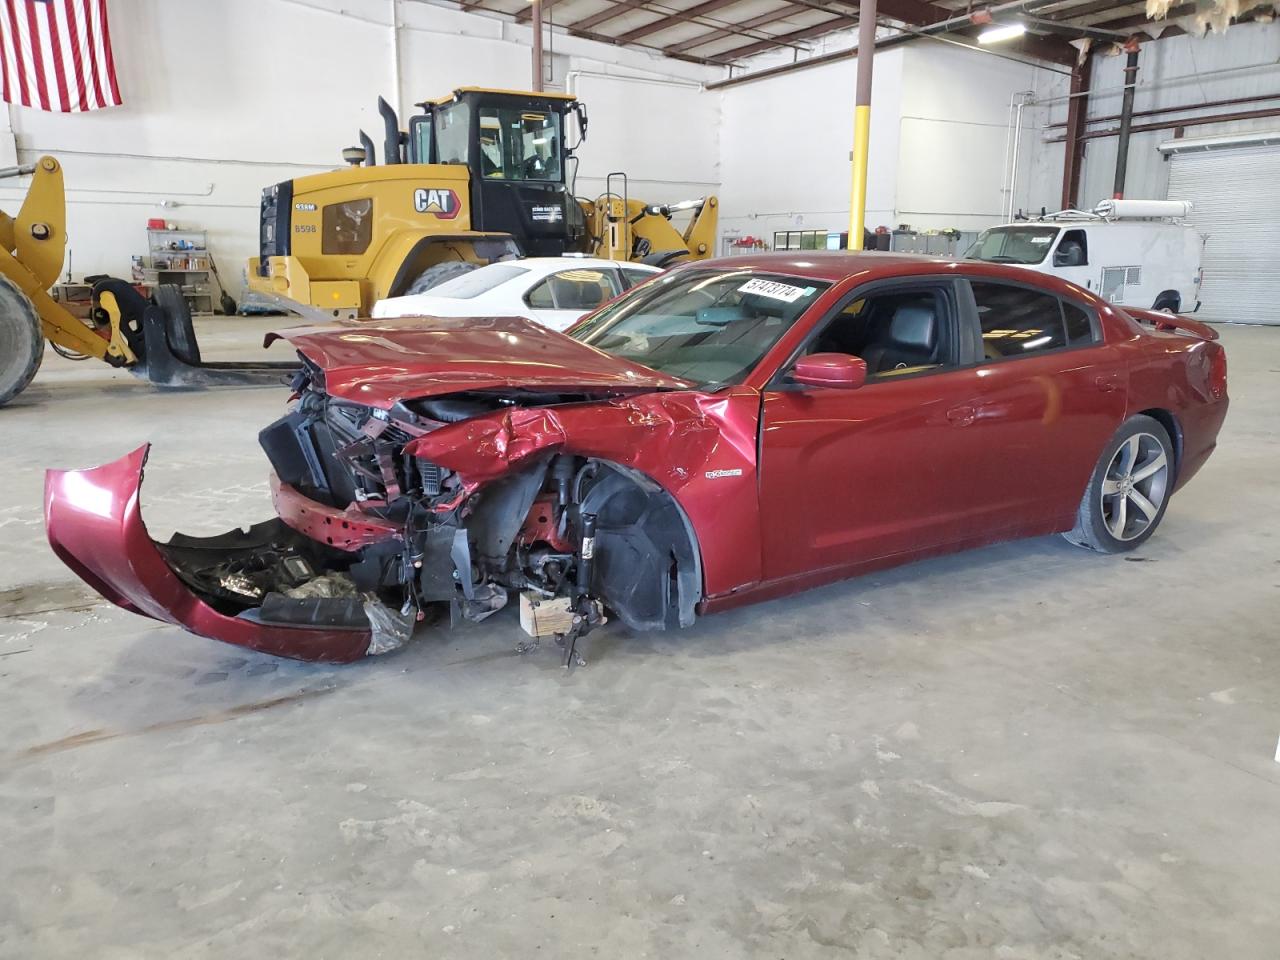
x=832, y=265
x=541, y=266
x=868, y=266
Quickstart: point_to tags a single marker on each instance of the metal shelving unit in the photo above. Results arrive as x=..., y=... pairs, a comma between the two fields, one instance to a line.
x=181, y=258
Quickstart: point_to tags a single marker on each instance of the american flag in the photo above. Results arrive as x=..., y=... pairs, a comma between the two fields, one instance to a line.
x=55, y=55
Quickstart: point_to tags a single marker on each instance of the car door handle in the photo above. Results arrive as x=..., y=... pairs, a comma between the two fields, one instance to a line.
x=960, y=416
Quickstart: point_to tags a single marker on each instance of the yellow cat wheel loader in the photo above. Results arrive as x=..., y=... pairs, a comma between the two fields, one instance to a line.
x=481, y=175
x=152, y=337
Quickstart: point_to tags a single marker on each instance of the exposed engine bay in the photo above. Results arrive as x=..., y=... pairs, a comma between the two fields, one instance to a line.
x=371, y=536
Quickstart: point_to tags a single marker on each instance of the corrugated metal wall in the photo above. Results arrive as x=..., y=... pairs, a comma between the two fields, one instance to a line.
x=1175, y=72
x=1236, y=194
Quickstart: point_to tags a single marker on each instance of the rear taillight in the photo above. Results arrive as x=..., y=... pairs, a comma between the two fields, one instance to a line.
x=1218, y=372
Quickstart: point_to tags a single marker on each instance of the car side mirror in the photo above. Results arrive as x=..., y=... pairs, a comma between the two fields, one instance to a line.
x=843, y=371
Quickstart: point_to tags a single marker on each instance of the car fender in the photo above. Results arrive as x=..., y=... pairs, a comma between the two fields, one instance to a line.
x=700, y=448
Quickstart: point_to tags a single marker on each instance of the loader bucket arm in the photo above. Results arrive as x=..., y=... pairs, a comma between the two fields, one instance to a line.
x=40, y=229
x=700, y=234
x=657, y=239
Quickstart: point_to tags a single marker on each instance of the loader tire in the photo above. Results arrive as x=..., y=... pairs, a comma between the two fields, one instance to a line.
x=178, y=328
x=437, y=274
x=21, y=341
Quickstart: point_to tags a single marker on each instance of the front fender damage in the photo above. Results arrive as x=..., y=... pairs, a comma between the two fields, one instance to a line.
x=667, y=437
x=637, y=455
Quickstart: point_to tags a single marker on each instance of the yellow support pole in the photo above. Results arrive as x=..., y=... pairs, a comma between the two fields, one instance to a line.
x=862, y=124
x=858, y=188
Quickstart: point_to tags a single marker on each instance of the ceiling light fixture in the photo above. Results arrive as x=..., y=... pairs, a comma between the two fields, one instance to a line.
x=999, y=32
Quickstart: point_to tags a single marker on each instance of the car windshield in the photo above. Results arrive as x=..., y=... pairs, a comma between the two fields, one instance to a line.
x=711, y=327
x=1012, y=245
x=476, y=282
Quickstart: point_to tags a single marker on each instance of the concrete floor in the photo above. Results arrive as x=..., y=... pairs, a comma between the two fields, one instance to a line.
x=1028, y=751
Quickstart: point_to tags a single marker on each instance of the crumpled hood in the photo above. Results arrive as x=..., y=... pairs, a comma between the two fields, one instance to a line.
x=385, y=361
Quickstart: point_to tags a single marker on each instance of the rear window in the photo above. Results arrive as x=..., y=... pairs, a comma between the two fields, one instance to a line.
x=472, y=284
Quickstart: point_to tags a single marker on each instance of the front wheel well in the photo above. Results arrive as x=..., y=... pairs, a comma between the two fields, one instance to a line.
x=649, y=565
x=1172, y=427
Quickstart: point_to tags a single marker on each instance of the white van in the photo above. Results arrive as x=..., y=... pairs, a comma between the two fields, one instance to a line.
x=1135, y=253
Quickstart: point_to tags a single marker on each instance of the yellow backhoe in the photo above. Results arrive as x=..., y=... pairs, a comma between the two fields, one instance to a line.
x=152, y=335
x=481, y=175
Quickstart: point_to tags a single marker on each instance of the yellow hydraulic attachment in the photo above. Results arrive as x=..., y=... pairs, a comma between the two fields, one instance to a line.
x=153, y=337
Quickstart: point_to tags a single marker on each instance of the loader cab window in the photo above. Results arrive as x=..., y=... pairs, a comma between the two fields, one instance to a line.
x=520, y=144
x=420, y=139
x=453, y=131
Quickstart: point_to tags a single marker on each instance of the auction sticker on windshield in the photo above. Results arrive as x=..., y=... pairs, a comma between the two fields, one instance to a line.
x=774, y=290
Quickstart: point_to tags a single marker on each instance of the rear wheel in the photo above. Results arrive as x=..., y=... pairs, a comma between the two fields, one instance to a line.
x=438, y=274
x=21, y=341
x=1169, y=301
x=1129, y=489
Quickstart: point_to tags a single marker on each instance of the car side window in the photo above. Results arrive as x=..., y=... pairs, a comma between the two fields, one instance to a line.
x=632, y=276
x=1080, y=325
x=577, y=289
x=1073, y=250
x=896, y=332
x=539, y=298
x=1017, y=321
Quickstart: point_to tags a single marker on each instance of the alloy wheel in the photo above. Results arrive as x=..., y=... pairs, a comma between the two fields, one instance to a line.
x=1135, y=486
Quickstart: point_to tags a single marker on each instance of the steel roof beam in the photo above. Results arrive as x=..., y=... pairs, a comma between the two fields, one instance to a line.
x=702, y=39
x=666, y=21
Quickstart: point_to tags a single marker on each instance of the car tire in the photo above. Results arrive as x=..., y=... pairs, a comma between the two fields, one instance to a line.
x=438, y=274
x=1168, y=301
x=1129, y=489
x=21, y=341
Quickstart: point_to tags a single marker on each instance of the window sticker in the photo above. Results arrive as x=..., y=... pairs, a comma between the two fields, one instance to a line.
x=775, y=291
x=1041, y=239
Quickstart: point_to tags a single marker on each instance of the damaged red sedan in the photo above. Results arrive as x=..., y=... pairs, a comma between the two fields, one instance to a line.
x=730, y=431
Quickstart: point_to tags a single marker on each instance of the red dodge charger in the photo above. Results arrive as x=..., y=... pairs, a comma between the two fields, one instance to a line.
x=729, y=431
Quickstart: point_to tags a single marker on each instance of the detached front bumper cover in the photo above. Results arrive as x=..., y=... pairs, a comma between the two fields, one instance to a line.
x=94, y=524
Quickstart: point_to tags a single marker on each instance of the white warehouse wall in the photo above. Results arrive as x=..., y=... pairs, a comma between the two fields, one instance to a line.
x=222, y=99
x=955, y=142
x=785, y=144
x=940, y=127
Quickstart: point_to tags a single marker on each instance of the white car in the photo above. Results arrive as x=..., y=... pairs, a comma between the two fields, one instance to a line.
x=553, y=291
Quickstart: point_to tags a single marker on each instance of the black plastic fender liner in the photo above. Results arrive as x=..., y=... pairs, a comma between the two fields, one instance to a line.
x=648, y=568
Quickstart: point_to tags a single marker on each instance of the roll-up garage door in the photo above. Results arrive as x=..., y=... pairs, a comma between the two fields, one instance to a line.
x=1236, y=197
